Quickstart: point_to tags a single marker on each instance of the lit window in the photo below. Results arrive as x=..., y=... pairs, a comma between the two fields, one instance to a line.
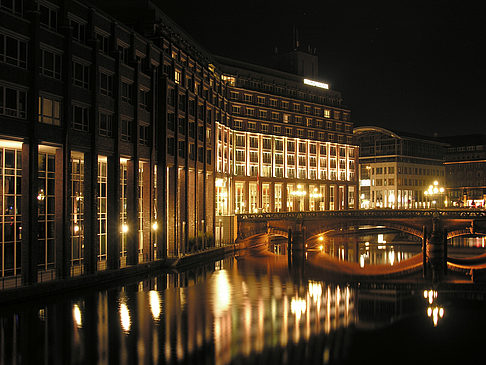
x=49, y=111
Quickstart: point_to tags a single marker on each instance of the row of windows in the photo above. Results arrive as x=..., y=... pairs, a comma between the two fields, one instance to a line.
x=288, y=118
x=287, y=105
x=407, y=171
x=291, y=131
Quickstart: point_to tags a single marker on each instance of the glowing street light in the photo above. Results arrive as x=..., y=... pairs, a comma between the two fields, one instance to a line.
x=433, y=192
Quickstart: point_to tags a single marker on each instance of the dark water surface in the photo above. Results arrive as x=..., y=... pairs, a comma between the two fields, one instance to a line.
x=245, y=310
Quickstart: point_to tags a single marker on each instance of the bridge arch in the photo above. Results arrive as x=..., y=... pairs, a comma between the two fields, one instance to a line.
x=317, y=231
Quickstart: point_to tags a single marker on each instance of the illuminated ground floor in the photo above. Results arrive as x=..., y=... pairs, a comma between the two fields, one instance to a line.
x=72, y=211
x=239, y=195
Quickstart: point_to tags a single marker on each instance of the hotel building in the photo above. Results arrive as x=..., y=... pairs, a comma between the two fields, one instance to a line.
x=121, y=146
x=396, y=168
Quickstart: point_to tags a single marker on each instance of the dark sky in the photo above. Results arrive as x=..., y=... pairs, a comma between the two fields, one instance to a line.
x=404, y=65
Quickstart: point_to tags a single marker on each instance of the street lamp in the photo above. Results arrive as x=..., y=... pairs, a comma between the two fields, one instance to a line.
x=434, y=191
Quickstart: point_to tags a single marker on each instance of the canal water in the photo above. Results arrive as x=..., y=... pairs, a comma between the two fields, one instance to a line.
x=250, y=309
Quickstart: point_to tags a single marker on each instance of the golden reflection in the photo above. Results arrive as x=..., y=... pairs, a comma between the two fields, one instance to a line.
x=315, y=290
x=125, y=318
x=154, y=300
x=77, y=316
x=435, y=313
x=297, y=307
x=222, y=292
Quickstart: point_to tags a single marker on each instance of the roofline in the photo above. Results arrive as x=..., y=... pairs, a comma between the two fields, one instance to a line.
x=370, y=128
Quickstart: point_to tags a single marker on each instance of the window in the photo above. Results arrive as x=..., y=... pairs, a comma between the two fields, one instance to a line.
x=13, y=6
x=49, y=111
x=144, y=100
x=80, y=118
x=48, y=15
x=177, y=76
x=327, y=113
x=126, y=130
x=267, y=143
x=103, y=43
x=106, y=124
x=12, y=102
x=144, y=135
x=253, y=142
x=260, y=100
x=51, y=64
x=182, y=149
x=80, y=75
x=240, y=140
x=288, y=131
x=106, y=84
x=251, y=126
x=123, y=51
x=126, y=92
x=238, y=124
x=10, y=215
x=78, y=30
x=13, y=51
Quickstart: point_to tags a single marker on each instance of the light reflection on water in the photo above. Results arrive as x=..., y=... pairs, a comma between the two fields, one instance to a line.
x=222, y=313
x=230, y=315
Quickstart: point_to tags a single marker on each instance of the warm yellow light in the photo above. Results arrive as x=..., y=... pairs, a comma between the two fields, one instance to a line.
x=125, y=317
x=77, y=316
x=155, y=304
x=436, y=183
x=321, y=238
x=124, y=228
x=76, y=228
x=221, y=292
x=297, y=307
x=219, y=183
x=155, y=226
x=321, y=247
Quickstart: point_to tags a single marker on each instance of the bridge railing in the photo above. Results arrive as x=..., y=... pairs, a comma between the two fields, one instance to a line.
x=369, y=213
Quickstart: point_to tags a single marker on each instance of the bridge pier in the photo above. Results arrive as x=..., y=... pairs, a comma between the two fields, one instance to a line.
x=436, y=251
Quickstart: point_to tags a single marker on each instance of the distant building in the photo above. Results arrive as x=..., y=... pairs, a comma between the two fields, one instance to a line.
x=465, y=167
x=396, y=168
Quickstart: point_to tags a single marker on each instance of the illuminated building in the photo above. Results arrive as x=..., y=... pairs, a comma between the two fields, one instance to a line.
x=288, y=146
x=465, y=168
x=119, y=147
x=396, y=168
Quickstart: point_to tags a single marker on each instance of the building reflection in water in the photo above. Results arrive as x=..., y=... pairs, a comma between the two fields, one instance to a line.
x=370, y=249
x=207, y=317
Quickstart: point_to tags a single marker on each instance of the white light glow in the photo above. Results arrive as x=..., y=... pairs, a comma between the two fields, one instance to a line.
x=322, y=85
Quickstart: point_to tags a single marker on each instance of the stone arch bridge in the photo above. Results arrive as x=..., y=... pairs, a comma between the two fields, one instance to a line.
x=455, y=222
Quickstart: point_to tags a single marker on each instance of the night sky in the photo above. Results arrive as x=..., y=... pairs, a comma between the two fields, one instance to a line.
x=407, y=66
